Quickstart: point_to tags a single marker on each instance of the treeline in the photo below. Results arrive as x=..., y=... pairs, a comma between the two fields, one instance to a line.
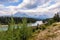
x=6, y=20
x=48, y=22
x=18, y=31
x=55, y=18
x=22, y=31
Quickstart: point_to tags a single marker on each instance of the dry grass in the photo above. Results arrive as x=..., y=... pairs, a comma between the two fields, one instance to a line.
x=51, y=33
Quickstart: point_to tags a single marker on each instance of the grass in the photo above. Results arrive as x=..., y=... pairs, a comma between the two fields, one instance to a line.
x=22, y=32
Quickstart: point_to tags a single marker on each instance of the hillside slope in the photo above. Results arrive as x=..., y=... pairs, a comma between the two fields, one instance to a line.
x=52, y=32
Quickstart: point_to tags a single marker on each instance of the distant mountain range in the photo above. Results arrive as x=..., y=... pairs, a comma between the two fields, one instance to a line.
x=18, y=14
x=43, y=16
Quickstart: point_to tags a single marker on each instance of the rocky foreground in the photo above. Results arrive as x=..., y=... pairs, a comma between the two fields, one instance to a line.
x=52, y=32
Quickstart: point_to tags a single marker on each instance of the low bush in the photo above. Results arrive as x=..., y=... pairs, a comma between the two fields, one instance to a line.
x=21, y=32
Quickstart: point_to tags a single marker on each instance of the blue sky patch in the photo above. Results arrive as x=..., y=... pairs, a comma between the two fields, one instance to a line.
x=13, y=3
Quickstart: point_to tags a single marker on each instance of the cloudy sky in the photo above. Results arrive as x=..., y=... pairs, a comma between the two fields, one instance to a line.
x=32, y=8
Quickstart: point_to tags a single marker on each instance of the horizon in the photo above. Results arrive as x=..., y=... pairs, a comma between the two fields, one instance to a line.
x=29, y=8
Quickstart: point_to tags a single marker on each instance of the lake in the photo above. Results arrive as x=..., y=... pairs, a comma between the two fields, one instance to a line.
x=5, y=27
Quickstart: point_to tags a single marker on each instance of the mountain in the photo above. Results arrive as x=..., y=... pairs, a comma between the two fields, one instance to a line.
x=19, y=14
x=43, y=16
x=30, y=15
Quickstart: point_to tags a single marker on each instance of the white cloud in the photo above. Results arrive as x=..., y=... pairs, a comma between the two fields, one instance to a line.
x=41, y=6
x=26, y=3
x=54, y=6
x=41, y=9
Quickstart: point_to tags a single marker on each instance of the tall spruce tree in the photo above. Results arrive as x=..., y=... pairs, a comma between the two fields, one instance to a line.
x=56, y=17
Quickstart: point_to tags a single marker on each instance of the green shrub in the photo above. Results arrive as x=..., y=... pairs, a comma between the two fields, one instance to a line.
x=21, y=32
x=43, y=27
x=50, y=21
x=25, y=30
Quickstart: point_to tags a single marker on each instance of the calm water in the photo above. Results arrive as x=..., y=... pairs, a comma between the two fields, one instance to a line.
x=3, y=29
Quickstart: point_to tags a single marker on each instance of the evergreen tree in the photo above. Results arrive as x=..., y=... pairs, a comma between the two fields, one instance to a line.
x=56, y=17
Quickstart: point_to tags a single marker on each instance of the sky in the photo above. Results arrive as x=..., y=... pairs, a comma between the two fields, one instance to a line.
x=31, y=8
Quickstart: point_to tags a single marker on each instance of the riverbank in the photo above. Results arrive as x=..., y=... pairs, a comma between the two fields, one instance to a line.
x=52, y=32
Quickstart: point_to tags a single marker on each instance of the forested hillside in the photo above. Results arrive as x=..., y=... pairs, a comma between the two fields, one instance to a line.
x=6, y=20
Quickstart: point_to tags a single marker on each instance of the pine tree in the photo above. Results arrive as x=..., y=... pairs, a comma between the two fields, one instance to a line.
x=56, y=17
